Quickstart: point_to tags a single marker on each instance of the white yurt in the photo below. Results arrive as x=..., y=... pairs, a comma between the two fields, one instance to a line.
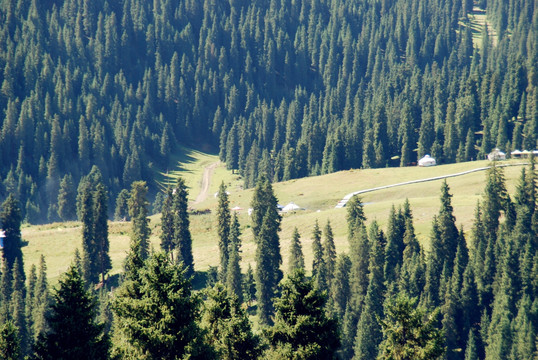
x=427, y=160
x=291, y=207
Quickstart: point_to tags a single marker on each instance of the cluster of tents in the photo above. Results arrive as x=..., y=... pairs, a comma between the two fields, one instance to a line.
x=291, y=207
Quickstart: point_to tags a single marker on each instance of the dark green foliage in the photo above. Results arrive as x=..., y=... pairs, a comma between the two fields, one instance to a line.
x=319, y=270
x=249, y=286
x=121, y=212
x=340, y=288
x=170, y=330
x=329, y=253
x=138, y=211
x=302, y=330
x=265, y=226
x=9, y=342
x=10, y=218
x=182, y=234
x=66, y=199
x=103, y=263
x=409, y=333
x=167, y=222
x=73, y=331
x=223, y=228
x=228, y=327
x=296, y=259
x=234, y=281
x=118, y=86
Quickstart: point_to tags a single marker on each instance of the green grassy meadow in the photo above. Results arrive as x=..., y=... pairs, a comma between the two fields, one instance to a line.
x=318, y=195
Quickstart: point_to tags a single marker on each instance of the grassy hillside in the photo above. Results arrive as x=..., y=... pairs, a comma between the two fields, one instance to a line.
x=318, y=195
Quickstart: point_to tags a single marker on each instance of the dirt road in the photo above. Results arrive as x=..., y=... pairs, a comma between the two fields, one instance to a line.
x=206, y=181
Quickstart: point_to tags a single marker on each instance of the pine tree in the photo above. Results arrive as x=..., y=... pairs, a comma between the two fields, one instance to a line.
x=228, y=327
x=318, y=264
x=9, y=342
x=182, y=233
x=138, y=211
x=408, y=333
x=340, y=288
x=249, y=286
x=66, y=199
x=73, y=329
x=89, y=242
x=17, y=309
x=11, y=219
x=369, y=333
x=302, y=330
x=100, y=230
x=233, y=276
x=223, y=228
x=121, y=212
x=167, y=223
x=329, y=253
x=265, y=226
x=296, y=259
x=170, y=330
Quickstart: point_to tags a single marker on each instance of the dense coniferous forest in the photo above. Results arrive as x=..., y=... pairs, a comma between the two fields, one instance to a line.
x=286, y=88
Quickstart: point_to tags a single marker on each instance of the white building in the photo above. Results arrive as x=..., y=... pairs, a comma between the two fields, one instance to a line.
x=496, y=154
x=427, y=160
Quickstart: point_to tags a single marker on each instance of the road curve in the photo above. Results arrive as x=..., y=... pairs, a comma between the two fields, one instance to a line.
x=346, y=198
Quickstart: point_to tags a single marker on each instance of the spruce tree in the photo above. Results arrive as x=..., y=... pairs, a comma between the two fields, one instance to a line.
x=296, y=259
x=17, y=311
x=66, y=199
x=249, y=286
x=10, y=218
x=410, y=333
x=228, y=327
x=167, y=223
x=121, y=212
x=170, y=330
x=234, y=281
x=73, y=331
x=329, y=253
x=182, y=233
x=265, y=226
x=302, y=330
x=369, y=333
x=340, y=287
x=138, y=211
x=318, y=264
x=223, y=228
x=9, y=342
x=89, y=243
x=100, y=226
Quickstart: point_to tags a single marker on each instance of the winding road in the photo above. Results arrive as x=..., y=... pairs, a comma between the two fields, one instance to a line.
x=346, y=198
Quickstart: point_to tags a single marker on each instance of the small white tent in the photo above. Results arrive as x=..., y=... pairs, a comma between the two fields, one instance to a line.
x=291, y=207
x=496, y=154
x=427, y=160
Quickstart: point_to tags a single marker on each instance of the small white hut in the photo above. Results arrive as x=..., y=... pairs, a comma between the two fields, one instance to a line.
x=427, y=160
x=496, y=154
x=291, y=207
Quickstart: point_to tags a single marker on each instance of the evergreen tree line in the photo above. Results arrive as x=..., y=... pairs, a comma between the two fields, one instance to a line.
x=470, y=296
x=282, y=88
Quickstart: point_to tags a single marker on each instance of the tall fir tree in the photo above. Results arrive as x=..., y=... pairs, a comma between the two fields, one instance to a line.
x=73, y=331
x=265, y=226
x=223, y=228
x=234, y=279
x=100, y=230
x=228, y=327
x=182, y=233
x=167, y=223
x=318, y=264
x=329, y=253
x=10, y=348
x=11, y=219
x=296, y=259
x=89, y=243
x=169, y=331
x=138, y=211
x=302, y=329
